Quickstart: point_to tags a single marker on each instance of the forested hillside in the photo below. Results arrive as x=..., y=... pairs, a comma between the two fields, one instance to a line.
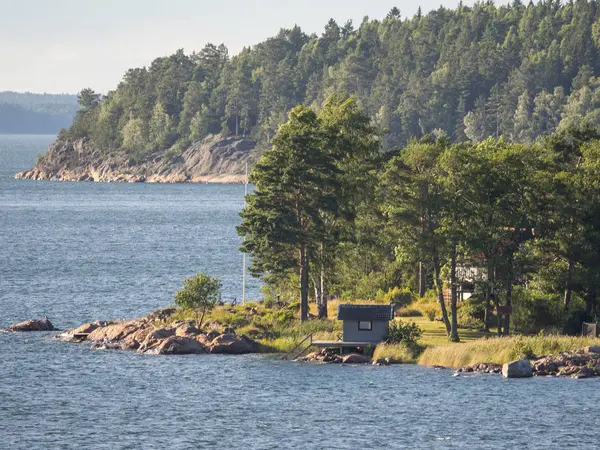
x=23, y=113
x=515, y=70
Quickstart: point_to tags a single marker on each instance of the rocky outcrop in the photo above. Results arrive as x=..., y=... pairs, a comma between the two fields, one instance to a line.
x=142, y=336
x=584, y=363
x=32, y=325
x=517, y=369
x=481, y=368
x=212, y=160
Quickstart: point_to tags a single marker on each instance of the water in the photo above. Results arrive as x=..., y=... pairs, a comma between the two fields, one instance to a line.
x=78, y=251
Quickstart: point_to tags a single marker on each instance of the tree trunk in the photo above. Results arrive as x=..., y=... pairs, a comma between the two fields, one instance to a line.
x=323, y=296
x=421, y=280
x=568, y=284
x=454, y=296
x=590, y=299
x=303, y=263
x=440, y=290
x=199, y=325
x=508, y=303
x=489, y=296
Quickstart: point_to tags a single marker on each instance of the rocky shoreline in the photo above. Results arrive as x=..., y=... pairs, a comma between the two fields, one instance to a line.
x=579, y=364
x=150, y=335
x=212, y=160
x=143, y=336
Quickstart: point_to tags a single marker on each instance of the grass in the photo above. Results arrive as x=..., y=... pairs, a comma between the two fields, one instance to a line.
x=400, y=353
x=501, y=350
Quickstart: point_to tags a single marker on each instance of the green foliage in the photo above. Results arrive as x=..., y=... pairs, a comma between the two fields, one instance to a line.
x=403, y=332
x=430, y=310
x=471, y=313
x=199, y=293
x=401, y=297
x=534, y=311
x=471, y=72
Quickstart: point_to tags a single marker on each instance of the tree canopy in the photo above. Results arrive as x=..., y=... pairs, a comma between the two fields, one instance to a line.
x=517, y=71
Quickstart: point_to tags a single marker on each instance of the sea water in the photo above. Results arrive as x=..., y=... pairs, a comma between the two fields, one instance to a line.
x=76, y=252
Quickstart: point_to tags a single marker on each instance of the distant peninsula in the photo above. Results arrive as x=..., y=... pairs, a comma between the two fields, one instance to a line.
x=28, y=113
x=214, y=159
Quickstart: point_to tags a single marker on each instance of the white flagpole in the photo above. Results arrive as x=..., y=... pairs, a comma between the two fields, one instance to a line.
x=244, y=254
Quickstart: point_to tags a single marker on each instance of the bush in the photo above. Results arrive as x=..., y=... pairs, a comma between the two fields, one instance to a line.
x=430, y=310
x=403, y=332
x=402, y=297
x=534, y=311
x=470, y=313
x=409, y=311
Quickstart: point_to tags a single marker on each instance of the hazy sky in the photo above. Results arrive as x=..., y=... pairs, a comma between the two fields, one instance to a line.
x=62, y=46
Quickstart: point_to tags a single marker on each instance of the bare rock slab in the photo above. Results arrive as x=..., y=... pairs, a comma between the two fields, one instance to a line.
x=33, y=325
x=517, y=369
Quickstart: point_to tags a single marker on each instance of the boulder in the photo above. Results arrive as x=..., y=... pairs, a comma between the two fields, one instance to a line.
x=203, y=339
x=187, y=330
x=355, y=358
x=584, y=372
x=517, y=369
x=155, y=337
x=114, y=332
x=592, y=349
x=33, y=325
x=232, y=344
x=178, y=345
x=381, y=362
x=134, y=340
x=86, y=328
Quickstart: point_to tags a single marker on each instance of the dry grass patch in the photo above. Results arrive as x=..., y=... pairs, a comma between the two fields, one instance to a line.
x=501, y=350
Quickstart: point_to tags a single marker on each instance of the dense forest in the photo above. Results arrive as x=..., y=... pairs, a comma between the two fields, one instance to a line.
x=27, y=113
x=518, y=71
x=332, y=215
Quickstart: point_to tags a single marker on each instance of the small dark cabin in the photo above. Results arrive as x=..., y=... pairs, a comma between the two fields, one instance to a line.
x=365, y=323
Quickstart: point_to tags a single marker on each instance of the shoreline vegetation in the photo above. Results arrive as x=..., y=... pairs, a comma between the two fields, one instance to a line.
x=257, y=327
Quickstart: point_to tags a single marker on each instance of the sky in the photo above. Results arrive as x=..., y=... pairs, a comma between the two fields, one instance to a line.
x=63, y=46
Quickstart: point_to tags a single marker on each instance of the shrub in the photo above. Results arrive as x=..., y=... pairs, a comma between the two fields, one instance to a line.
x=402, y=297
x=430, y=310
x=403, y=332
x=409, y=311
x=470, y=313
x=533, y=310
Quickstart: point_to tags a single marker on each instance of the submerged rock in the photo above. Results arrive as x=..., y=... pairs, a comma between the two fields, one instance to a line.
x=481, y=368
x=32, y=325
x=517, y=369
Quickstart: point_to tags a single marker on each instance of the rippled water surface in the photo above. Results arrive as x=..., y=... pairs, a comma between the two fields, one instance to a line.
x=77, y=251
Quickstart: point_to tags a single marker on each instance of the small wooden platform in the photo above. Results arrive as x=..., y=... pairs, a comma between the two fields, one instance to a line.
x=343, y=344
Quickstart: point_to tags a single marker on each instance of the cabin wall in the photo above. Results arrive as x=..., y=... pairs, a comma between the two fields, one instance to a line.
x=353, y=334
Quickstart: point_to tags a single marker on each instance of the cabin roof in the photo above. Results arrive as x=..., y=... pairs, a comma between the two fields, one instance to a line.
x=365, y=312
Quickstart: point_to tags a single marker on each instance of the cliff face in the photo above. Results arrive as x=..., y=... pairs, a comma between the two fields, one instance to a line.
x=212, y=160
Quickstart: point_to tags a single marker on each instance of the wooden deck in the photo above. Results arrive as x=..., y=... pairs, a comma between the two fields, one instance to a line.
x=343, y=344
